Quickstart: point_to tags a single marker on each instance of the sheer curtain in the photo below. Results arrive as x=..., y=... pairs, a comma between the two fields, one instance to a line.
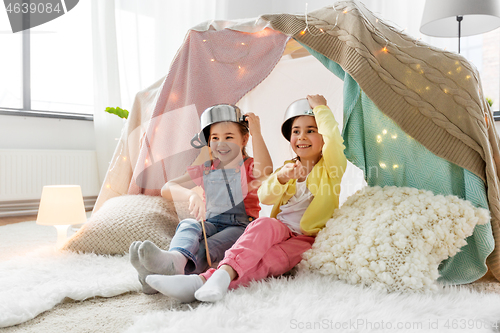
x=134, y=43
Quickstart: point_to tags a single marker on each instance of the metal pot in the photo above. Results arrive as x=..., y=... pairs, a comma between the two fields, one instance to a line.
x=298, y=108
x=216, y=114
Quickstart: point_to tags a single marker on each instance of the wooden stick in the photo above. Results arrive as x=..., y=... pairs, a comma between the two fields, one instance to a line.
x=203, y=221
x=206, y=243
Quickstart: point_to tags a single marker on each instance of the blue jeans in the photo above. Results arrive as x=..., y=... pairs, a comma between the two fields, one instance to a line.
x=222, y=232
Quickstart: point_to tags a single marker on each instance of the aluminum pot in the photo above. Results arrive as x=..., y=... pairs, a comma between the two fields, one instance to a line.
x=298, y=108
x=216, y=114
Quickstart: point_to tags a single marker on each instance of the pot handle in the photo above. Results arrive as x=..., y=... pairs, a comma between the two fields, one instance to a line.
x=243, y=119
x=196, y=143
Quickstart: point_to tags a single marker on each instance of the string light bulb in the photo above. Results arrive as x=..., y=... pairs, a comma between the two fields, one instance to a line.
x=307, y=25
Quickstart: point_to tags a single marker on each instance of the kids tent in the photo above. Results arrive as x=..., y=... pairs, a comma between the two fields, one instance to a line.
x=412, y=115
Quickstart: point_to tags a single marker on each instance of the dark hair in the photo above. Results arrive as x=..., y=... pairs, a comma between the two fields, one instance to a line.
x=286, y=128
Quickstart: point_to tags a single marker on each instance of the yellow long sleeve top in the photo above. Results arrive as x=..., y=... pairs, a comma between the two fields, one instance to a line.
x=323, y=180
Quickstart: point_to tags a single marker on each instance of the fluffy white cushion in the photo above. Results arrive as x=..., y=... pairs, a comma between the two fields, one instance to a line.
x=125, y=219
x=393, y=238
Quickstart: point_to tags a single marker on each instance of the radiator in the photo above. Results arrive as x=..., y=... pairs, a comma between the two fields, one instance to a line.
x=23, y=173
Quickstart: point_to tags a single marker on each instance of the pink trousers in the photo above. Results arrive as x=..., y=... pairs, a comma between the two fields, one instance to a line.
x=266, y=248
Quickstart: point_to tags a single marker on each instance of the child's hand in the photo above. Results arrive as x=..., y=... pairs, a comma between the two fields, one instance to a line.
x=315, y=100
x=197, y=207
x=253, y=123
x=291, y=171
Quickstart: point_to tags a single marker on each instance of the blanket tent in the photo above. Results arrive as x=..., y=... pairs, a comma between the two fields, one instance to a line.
x=412, y=115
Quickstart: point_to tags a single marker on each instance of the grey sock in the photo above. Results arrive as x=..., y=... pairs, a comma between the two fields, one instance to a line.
x=161, y=262
x=143, y=272
x=215, y=288
x=180, y=287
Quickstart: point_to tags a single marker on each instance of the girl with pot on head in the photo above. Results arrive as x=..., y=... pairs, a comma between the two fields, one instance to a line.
x=230, y=179
x=304, y=193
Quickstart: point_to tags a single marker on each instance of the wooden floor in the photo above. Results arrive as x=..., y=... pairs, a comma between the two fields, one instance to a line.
x=16, y=219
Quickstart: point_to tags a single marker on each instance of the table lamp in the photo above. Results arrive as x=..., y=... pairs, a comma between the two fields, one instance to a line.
x=61, y=206
x=456, y=18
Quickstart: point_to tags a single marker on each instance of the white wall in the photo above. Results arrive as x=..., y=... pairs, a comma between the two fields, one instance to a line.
x=18, y=132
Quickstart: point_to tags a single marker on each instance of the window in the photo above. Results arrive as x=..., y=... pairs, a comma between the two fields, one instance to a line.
x=48, y=69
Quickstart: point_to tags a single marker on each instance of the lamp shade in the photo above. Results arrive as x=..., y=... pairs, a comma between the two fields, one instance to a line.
x=479, y=16
x=61, y=205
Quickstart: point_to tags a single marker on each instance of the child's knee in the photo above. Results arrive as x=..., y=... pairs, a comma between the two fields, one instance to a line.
x=188, y=224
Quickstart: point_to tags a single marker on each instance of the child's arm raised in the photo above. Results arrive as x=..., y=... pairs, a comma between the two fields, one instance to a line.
x=333, y=149
x=262, y=164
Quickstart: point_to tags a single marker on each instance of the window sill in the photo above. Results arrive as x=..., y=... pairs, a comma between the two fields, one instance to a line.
x=496, y=115
x=46, y=114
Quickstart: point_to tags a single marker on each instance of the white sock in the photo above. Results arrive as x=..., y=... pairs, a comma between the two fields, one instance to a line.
x=215, y=288
x=180, y=287
x=161, y=262
x=143, y=272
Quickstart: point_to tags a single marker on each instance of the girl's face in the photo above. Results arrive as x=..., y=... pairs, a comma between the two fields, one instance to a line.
x=305, y=140
x=226, y=141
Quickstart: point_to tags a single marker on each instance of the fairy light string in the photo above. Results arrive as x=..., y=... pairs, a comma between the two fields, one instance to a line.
x=431, y=73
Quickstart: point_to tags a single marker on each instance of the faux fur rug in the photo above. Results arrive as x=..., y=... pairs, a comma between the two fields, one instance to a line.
x=311, y=302
x=36, y=281
x=34, y=276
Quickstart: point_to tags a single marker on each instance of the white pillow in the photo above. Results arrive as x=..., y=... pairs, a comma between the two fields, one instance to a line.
x=393, y=238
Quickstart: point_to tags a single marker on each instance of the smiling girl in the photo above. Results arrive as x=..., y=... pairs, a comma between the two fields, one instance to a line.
x=230, y=180
x=304, y=193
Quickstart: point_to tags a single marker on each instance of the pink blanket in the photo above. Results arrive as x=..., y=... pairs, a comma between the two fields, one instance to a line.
x=211, y=67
